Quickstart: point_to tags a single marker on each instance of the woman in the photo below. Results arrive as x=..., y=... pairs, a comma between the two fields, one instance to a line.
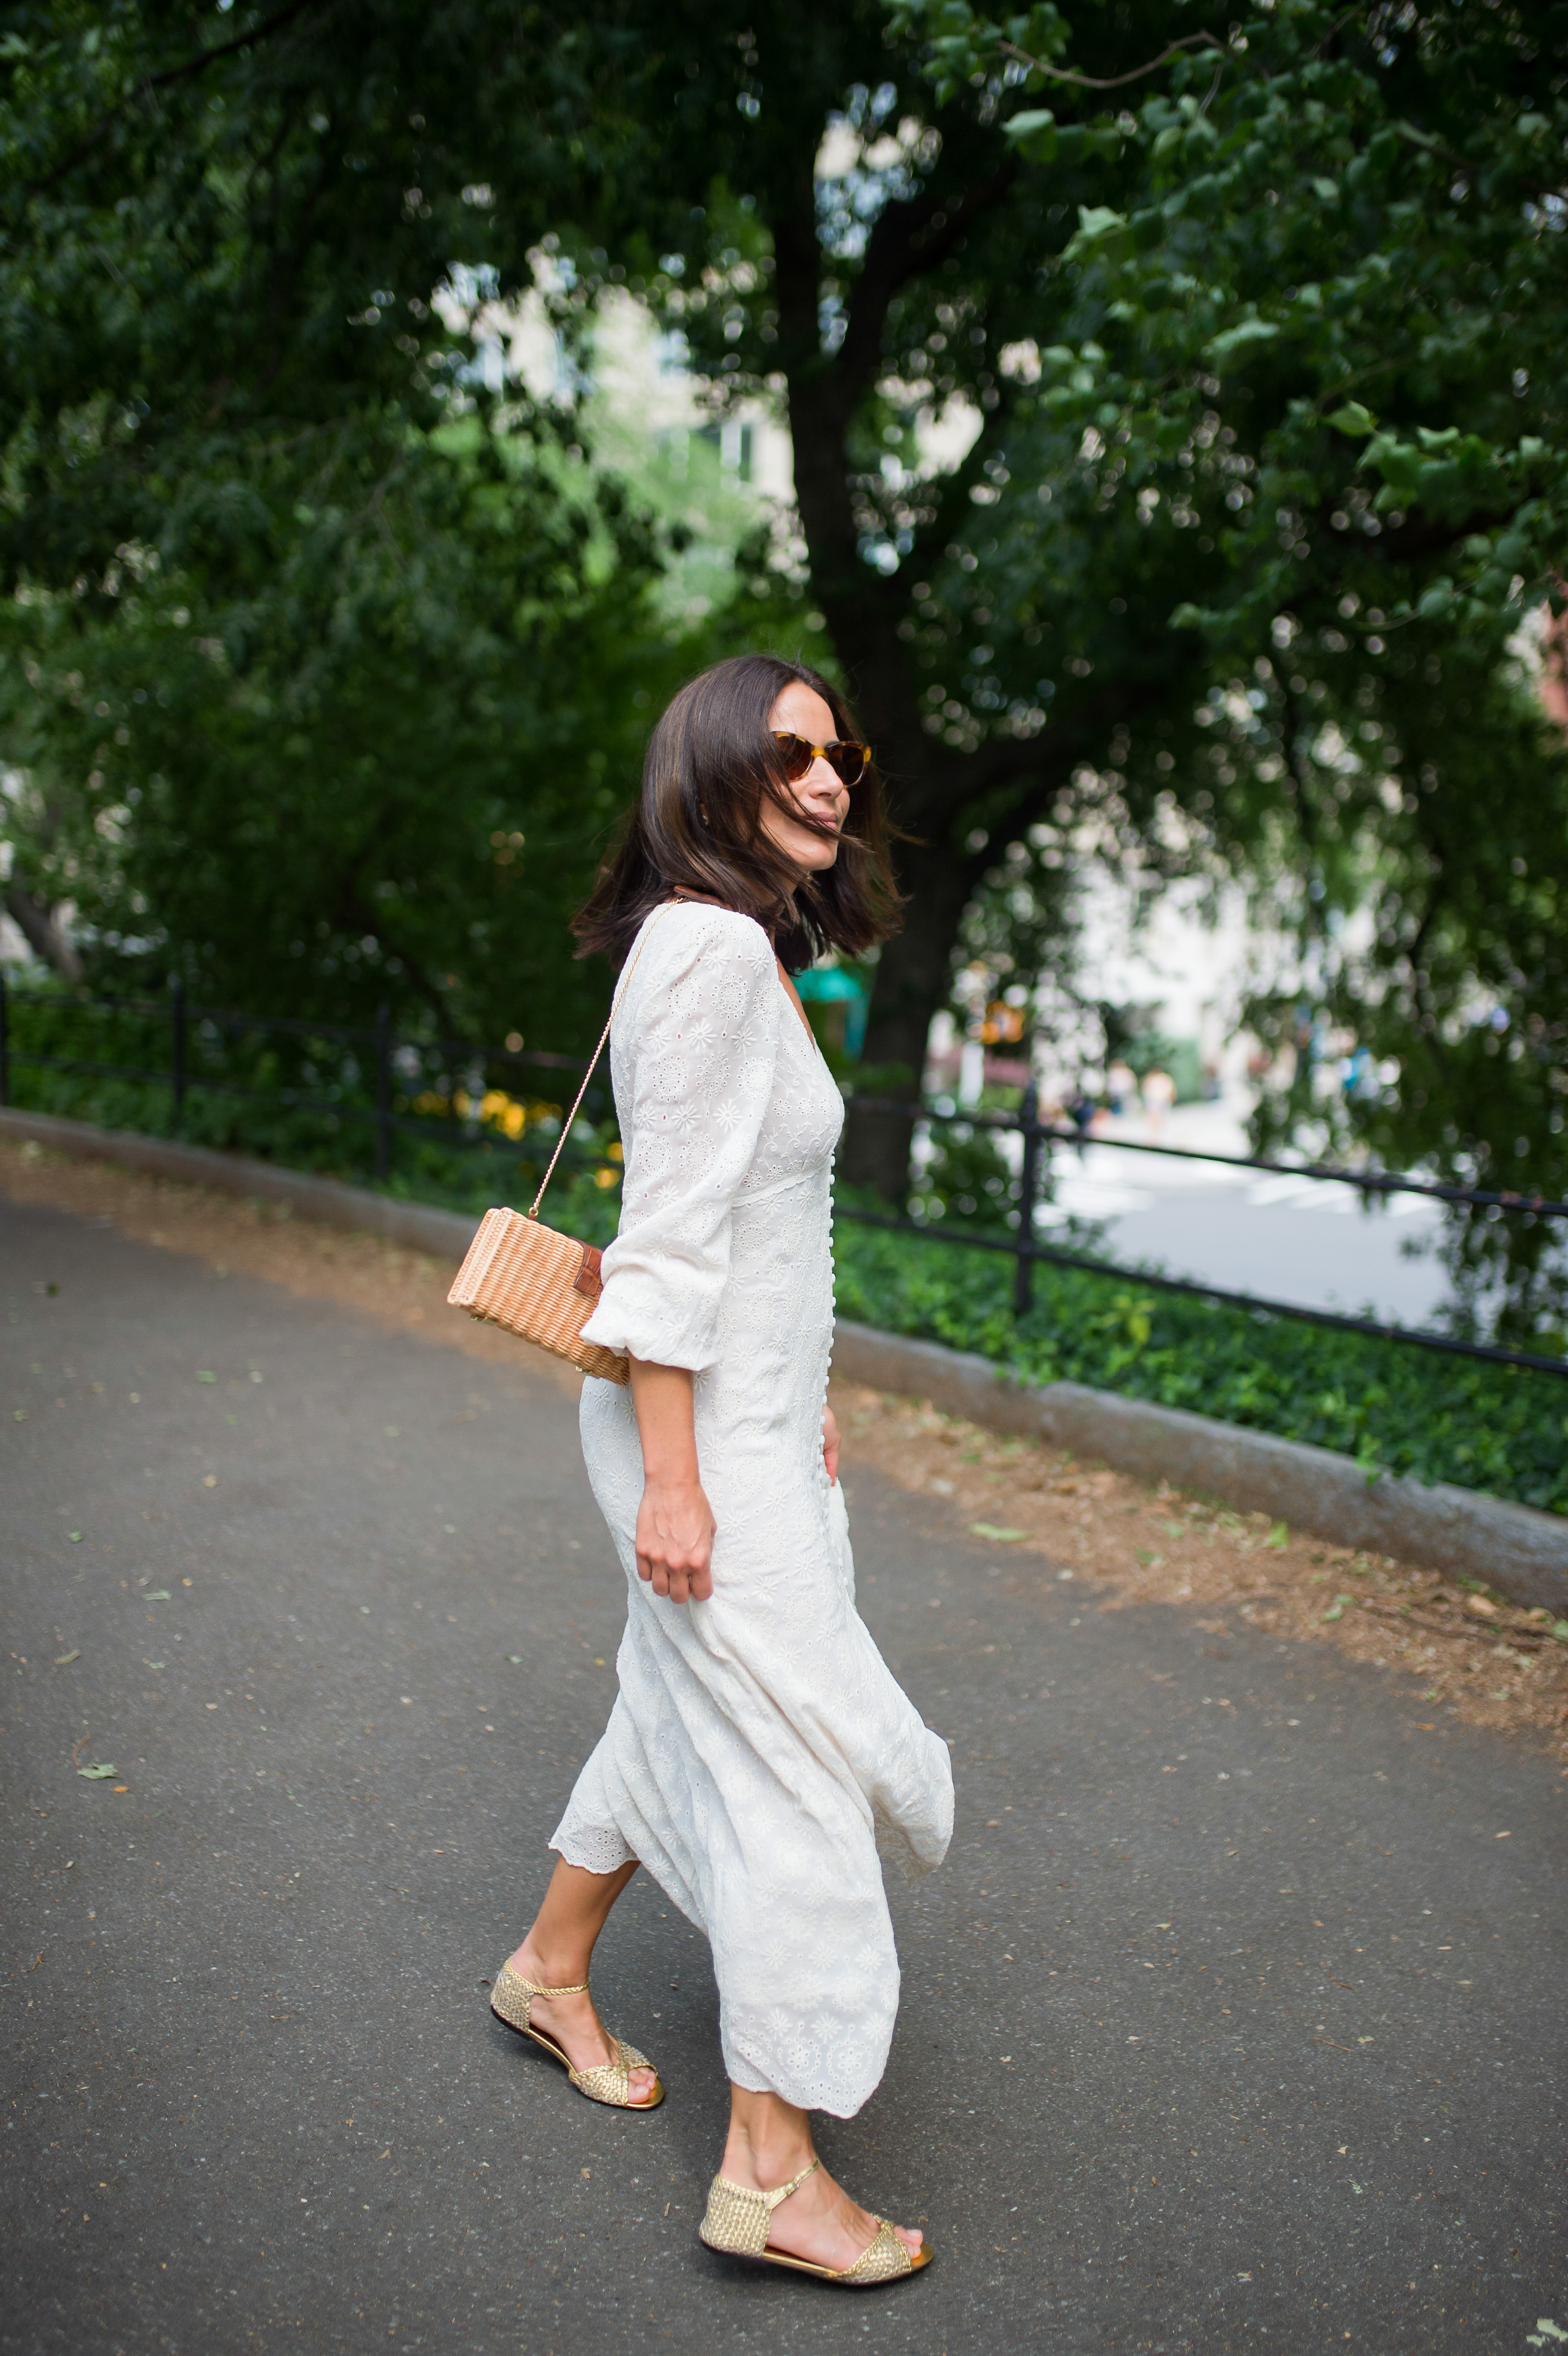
x=758, y=1750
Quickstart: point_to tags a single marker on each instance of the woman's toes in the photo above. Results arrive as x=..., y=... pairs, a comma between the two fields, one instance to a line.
x=910, y=2236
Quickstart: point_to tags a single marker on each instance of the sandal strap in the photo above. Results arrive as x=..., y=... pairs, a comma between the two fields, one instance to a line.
x=782, y=2191
x=737, y=2215
x=881, y=2259
x=513, y=1997
x=611, y=2082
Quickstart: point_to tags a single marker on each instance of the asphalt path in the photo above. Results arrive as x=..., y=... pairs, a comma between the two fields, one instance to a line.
x=1235, y=2019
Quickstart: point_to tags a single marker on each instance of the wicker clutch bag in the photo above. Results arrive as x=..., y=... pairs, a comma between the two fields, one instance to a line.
x=534, y=1280
x=539, y=1283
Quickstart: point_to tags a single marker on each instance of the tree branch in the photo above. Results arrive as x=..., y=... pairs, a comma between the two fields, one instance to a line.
x=166, y=81
x=1089, y=81
x=910, y=236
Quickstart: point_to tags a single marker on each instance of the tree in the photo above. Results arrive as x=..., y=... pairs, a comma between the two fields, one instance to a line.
x=377, y=773
x=325, y=667
x=1253, y=331
x=1338, y=292
x=817, y=223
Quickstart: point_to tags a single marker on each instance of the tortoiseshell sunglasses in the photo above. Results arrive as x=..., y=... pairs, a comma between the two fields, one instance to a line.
x=848, y=761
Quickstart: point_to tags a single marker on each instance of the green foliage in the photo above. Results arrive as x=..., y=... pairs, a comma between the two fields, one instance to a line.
x=1260, y=347
x=378, y=770
x=464, y=1138
x=966, y=1181
x=1313, y=320
x=324, y=671
x=1392, y=1406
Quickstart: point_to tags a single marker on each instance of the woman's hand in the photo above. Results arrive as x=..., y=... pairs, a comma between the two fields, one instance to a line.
x=675, y=1520
x=675, y=1540
x=831, y=1443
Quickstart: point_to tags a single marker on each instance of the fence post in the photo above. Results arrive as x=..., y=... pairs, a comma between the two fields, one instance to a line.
x=1023, y=1269
x=383, y=1091
x=177, y=1067
x=5, y=1044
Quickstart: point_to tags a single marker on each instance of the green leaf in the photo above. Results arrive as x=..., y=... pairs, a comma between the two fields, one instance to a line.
x=207, y=1378
x=1035, y=132
x=998, y=1537
x=1337, y=1609
x=1353, y=420
x=1233, y=342
x=1279, y=1536
x=98, y=1774
x=1100, y=231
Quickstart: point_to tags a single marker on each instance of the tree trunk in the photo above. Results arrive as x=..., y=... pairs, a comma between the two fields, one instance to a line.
x=930, y=787
x=36, y=921
x=913, y=979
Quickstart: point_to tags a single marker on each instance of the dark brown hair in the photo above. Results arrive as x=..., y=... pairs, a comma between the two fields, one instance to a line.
x=697, y=826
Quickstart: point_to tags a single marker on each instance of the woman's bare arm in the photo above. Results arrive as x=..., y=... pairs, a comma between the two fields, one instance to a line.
x=674, y=1521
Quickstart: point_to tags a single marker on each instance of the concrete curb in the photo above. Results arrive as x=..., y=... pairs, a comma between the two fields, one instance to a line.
x=1521, y=1552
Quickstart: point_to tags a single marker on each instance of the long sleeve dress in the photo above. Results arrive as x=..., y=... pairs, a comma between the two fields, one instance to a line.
x=760, y=1752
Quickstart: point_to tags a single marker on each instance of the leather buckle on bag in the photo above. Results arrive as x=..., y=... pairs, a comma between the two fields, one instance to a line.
x=588, y=1278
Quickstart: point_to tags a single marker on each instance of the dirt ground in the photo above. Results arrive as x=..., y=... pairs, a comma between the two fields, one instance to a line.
x=1468, y=1651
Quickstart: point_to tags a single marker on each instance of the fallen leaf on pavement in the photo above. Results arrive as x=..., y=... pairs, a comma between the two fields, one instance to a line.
x=157, y=1595
x=63, y=1660
x=1000, y=1538
x=99, y=1774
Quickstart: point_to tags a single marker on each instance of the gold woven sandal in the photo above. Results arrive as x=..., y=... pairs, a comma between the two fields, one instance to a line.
x=737, y=2219
x=511, y=2001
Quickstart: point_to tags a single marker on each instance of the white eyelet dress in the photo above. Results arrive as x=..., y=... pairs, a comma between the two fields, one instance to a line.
x=759, y=1751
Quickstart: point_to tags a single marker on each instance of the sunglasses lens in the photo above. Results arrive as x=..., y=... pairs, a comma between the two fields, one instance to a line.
x=849, y=760
x=797, y=754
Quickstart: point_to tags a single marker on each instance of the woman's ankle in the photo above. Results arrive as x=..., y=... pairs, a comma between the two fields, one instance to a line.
x=767, y=2144
x=546, y=1969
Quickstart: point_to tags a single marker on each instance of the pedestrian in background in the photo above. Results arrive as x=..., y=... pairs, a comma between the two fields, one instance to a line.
x=1121, y=1086
x=759, y=1751
x=1158, y=1096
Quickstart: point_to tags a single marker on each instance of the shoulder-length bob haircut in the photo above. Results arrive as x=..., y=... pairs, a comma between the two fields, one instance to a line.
x=697, y=826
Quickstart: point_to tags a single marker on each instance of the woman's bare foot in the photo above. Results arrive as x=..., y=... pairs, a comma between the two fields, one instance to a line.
x=573, y=2022
x=769, y=2142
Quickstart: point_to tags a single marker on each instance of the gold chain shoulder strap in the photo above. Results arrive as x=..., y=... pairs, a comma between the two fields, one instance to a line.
x=533, y=1210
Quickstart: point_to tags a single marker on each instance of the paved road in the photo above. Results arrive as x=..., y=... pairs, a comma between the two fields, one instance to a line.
x=1283, y=1238
x=1231, y=2024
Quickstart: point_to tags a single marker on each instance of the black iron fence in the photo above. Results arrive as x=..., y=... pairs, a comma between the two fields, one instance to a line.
x=451, y=1092
x=1027, y=1252
x=444, y=1090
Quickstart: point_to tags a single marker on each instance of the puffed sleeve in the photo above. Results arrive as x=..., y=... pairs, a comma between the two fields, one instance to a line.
x=705, y=1025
